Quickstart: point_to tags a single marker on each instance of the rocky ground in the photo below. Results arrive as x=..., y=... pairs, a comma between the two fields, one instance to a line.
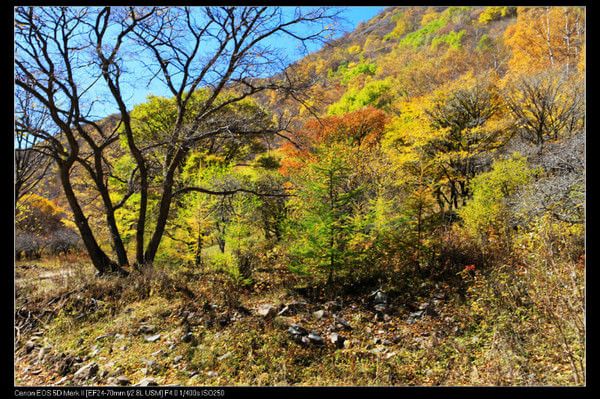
x=275, y=339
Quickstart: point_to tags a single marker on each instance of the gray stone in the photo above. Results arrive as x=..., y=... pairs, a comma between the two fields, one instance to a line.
x=337, y=340
x=319, y=314
x=285, y=310
x=315, y=338
x=341, y=323
x=152, y=338
x=380, y=307
x=87, y=371
x=148, y=382
x=223, y=357
x=30, y=346
x=212, y=373
x=101, y=337
x=267, y=311
x=380, y=297
x=147, y=329
x=160, y=352
x=297, y=306
x=188, y=337
x=295, y=329
x=177, y=359
x=122, y=380
x=332, y=305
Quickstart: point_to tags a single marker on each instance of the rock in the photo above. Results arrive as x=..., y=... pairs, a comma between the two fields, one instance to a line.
x=285, y=310
x=177, y=359
x=380, y=307
x=295, y=329
x=412, y=317
x=95, y=351
x=122, y=380
x=439, y=296
x=65, y=364
x=61, y=381
x=380, y=297
x=87, y=371
x=153, y=367
x=341, y=323
x=386, y=317
x=160, y=352
x=377, y=340
x=30, y=346
x=267, y=311
x=172, y=346
x=390, y=355
x=42, y=353
x=224, y=320
x=152, y=338
x=337, y=340
x=379, y=316
x=315, y=338
x=212, y=373
x=188, y=338
x=101, y=337
x=223, y=357
x=332, y=305
x=146, y=329
x=148, y=382
x=123, y=348
x=319, y=314
x=119, y=336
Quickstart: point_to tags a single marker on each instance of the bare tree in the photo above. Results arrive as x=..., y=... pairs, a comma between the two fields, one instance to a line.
x=63, y=54
x=217, y=49
x=31, y=164
x=546, y=107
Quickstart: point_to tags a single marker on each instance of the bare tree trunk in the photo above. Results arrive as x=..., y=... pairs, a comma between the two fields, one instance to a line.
x=98, y=257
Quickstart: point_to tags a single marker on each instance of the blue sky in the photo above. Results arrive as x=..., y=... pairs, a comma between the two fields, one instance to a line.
x=352, y=15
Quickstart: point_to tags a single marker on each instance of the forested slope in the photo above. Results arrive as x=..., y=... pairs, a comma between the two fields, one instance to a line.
x=413, y=194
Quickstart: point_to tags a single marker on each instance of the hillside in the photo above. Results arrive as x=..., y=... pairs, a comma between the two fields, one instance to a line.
x=403, y=207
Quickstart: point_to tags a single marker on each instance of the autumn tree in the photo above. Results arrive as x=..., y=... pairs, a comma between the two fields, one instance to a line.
x=55, y=44
x=546, y=106
x=546, y=37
